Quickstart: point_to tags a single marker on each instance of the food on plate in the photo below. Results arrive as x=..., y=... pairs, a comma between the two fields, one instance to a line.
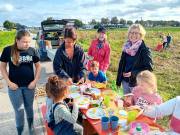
x=99, y=85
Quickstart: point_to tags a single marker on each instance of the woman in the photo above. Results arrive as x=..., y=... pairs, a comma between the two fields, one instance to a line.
x=20, y=79
x=135, y=58
x=69, y=59
x=100, y=50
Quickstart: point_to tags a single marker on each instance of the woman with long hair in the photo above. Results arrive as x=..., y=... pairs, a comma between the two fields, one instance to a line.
x=21, y=78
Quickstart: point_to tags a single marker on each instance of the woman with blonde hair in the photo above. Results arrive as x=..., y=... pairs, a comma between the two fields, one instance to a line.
x=135, y=58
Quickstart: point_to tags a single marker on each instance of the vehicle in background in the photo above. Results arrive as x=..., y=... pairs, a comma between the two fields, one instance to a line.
x=50, y=37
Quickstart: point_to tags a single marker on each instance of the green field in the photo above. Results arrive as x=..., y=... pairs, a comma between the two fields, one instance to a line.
x=166, y=63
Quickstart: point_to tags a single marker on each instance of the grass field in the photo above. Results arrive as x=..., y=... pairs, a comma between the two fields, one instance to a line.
x=166, y=63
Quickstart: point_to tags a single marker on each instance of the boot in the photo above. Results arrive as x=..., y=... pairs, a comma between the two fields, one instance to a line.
x=30, y=126
x=20, y=130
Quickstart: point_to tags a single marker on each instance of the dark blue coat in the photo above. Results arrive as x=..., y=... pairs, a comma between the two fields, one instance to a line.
x=143, y=61
x=65, y=67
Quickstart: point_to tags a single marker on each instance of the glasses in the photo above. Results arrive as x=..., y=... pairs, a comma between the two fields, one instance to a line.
x=134, y=33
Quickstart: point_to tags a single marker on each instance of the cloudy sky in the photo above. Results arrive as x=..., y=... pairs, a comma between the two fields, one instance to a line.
x=32, y=12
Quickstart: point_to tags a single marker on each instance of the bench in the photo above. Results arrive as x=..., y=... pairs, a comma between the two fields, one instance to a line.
x=43, y=111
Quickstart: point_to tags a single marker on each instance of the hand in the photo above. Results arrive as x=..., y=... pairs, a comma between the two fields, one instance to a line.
x=81, y=81
x=12, y=86
x=32, y=85
x=128, y=74
x=69, y=81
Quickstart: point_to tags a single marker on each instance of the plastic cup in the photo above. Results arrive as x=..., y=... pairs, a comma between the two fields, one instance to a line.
x=107, y=101
x=114, y=122
x=105, y=123
x=132, y=116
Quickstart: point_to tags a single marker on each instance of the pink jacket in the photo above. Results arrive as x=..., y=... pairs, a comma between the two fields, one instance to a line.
x=101, y=55
x=141, y=99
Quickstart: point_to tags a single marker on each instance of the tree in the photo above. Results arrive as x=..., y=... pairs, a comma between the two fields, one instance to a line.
x=93, y=22
x=8, y=25
x=129, y=22
x=105, y=20
x=122, y=21
x=114, y=20
x=78, y=23
x=49, y=18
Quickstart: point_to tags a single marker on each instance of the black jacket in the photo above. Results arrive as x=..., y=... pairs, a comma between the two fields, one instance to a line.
x=143, y=61
x=67, y=68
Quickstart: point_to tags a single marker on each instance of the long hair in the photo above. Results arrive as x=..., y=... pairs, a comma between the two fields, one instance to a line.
x=14, y=48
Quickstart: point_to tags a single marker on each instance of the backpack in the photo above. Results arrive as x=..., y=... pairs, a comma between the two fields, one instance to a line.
x=51, y=122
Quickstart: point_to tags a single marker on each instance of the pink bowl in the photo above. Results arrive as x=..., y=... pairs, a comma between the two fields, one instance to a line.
x=144, y=126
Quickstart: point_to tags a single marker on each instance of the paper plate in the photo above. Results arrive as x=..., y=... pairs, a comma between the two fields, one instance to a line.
x=83, y=102
x=95, y=113
x=95, y=91
x=73, y=88
x=74, y=95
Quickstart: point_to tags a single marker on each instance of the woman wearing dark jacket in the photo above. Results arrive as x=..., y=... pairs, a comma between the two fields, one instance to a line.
x=69, y=59
x=135, y=58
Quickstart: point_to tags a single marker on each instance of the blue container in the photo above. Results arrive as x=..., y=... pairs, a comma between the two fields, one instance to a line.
x=114, y=122
x=105, y=123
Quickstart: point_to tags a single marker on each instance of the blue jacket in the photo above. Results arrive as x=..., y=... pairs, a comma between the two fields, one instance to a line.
x=69, y=68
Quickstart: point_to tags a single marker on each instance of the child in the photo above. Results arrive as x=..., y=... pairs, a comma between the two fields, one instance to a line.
x=21, y=77
x=65, y=121
x=145, y=93
x=170, y=107
x=95, y=74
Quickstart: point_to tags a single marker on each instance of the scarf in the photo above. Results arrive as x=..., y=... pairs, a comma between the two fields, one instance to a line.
x=130, y=48
x=100, y=44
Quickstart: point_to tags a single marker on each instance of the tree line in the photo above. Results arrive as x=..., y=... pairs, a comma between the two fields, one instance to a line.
x=104, y=21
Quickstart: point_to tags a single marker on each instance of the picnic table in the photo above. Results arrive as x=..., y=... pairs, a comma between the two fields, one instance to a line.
x=92, y=126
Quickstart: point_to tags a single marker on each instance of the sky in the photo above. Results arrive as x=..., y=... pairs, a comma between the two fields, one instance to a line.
x=32, y=12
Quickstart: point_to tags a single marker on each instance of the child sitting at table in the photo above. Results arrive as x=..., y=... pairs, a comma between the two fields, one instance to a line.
x=96, y=75
x=145, y=93
x=168, y=108
x=64, y=120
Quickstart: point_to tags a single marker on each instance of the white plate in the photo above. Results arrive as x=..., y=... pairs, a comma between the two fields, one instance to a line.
x=74, y=88
x=74, y=95
x=95, y=91
x=83, y=102
x=95, y=113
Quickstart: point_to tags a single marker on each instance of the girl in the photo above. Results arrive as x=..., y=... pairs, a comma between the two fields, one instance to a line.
x=65, y=121
x=135, y=58
x=100, y=50
x=20, y=78
x=145, y=93
x=170, y=107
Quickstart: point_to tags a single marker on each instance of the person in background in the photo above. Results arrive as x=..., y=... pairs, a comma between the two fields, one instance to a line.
x=145, y=93
x=69, y=59
x=21, y=78
x=164, y=42
x=135, y=58
x=169, y=108
x=169, y=38
x=96, y=75
x=65, y=121
x=100, y=50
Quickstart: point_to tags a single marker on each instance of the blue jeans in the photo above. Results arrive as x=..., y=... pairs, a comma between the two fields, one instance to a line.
x=21, y=99
x=126, y=88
